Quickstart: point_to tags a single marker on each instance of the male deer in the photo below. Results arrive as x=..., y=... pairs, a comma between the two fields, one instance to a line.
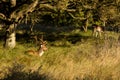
x=41, y=49
x=97, y=31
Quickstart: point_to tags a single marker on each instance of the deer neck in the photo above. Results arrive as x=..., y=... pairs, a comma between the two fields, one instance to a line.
x=40, y=52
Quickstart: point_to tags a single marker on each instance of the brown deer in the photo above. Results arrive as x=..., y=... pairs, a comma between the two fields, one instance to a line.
x=97, y=31
x=41, y=49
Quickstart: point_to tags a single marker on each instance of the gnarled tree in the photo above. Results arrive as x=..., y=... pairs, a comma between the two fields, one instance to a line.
x=11, y=13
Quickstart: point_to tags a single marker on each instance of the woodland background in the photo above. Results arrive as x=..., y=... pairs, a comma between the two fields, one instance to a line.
x=73, y=53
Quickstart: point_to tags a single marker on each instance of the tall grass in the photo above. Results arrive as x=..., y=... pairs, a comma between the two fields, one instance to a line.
x=84, y=62
x=91, y=59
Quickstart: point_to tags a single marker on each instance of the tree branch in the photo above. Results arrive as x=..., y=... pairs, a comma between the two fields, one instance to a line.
x=74, y=17
x=2, y=16
x=23, y=10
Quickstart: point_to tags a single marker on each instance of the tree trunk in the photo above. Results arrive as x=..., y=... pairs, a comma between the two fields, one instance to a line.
x=104, y=23
x=85, y=25
x=13, y=3
x=85, y=28
x=10, y=38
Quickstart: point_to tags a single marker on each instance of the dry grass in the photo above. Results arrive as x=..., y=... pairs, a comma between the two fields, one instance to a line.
x=92, y=59
x=85, y=63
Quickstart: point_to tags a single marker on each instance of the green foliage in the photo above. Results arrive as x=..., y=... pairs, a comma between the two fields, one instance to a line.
x=79, y=13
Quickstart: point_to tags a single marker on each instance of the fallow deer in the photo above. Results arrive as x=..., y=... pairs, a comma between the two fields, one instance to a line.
x=97, y=31
x=40, y=51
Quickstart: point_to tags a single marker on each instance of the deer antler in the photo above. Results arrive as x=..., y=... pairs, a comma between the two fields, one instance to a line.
x=42, y=40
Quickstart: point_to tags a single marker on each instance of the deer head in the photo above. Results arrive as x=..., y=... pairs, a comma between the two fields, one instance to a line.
x=42, y=47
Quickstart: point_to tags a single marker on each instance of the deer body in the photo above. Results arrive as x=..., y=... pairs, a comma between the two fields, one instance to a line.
x=40, y=51
x=97, y=31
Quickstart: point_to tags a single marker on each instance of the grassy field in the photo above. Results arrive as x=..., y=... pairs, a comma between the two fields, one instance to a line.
x=77, y=56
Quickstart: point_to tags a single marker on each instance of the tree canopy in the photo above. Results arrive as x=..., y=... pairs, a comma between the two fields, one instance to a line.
x=82, y=13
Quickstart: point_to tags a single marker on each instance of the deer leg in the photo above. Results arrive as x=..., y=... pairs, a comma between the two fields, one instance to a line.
x=96, y=34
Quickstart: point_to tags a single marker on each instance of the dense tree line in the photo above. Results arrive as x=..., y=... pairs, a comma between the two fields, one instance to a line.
x=79, y=13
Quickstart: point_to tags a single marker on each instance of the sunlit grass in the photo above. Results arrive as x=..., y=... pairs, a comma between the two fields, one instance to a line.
x=90, y=59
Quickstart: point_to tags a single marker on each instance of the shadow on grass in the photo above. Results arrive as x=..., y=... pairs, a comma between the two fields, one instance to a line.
x=17, y=73
x=52, y=37
x=26, y=76
x=71, y=38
